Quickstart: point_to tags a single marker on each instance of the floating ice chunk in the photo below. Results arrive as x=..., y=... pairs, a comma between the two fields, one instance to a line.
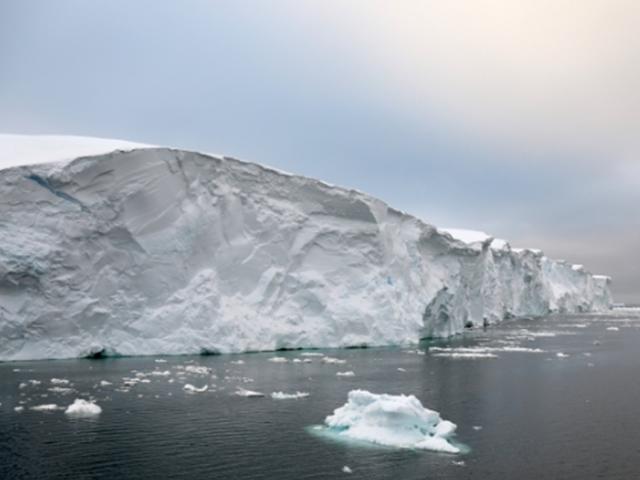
x=345, y=374
x=459, y=463
x=288, y=396
x=346, y=469
x=237, y=362
x=392, y=420
x=312, y=354
x=191, y=389
x=468, y=355
x=197, y=370
x=508, y=349
x=59, y=381
x=562, y=355
x=83, y=408
x=61, y=390
x=333, y=360
x=160, y=360
x=400, y=369
x=47, y=407
x=18, y=409
x=278, y=360
x=243, y=392
x=477, y=427
x=104, y=383
x=613, y=329
x=160, y=373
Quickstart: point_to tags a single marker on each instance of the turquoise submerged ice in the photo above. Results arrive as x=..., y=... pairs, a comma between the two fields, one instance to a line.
x=399, y=421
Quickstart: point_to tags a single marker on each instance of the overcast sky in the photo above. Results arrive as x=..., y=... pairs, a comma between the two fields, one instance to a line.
x=521, y=119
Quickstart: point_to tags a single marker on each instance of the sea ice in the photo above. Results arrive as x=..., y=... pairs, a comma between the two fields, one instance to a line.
x=197, y=370
x=392, y=420
x=83, y=408
x=59, y=381
x=465, y=355
x=278, y=360
x=47, y=407
x=288, y=396
x=243, y=392
x=192, y=389
x=333, y=360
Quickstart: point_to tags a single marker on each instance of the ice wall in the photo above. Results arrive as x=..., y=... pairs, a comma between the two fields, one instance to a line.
x=154, y=250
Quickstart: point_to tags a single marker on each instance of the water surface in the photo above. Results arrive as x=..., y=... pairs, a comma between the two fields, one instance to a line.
x=525, y=415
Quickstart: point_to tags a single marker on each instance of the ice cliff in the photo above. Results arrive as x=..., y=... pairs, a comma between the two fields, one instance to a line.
x=118, y=248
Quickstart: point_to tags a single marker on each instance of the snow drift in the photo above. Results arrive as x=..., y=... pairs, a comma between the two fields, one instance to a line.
x=149, y=250
x=392, y=420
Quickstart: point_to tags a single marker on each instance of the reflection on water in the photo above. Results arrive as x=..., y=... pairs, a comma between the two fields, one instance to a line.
x=525, y=411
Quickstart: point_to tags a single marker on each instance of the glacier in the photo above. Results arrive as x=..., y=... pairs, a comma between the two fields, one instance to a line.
x=116, y=248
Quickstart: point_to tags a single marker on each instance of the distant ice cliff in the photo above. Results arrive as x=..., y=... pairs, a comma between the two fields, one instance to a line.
x=120, y=248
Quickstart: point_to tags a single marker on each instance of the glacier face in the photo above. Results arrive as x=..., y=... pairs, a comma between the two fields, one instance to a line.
x=156, y=250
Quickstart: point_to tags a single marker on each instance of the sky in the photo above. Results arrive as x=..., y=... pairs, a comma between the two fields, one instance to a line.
x=521, y=119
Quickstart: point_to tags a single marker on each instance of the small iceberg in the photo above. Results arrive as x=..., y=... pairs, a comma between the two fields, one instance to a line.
x=288, y=396
x=399, y=421
x=83, y=408
x=192, y=389
x=243, y=392
x=47, y=407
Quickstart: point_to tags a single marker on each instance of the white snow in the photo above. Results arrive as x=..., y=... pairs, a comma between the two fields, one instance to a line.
x=83, y=408
x=243, y=392
x=393, y=420
x=192, y=389
x=18, y=150
x=288, y=396
x=157, y=251
x=467, y=236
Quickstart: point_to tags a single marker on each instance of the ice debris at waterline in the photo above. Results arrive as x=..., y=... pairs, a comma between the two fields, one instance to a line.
x=83, y=408
x=288, y=396
x=399, y=421
x=124, y=249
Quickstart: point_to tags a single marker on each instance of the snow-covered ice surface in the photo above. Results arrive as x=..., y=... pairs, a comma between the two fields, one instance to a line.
x=123, y=249
x=398, y=421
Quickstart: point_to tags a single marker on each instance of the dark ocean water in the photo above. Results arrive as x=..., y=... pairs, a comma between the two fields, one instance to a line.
x=536, y=415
